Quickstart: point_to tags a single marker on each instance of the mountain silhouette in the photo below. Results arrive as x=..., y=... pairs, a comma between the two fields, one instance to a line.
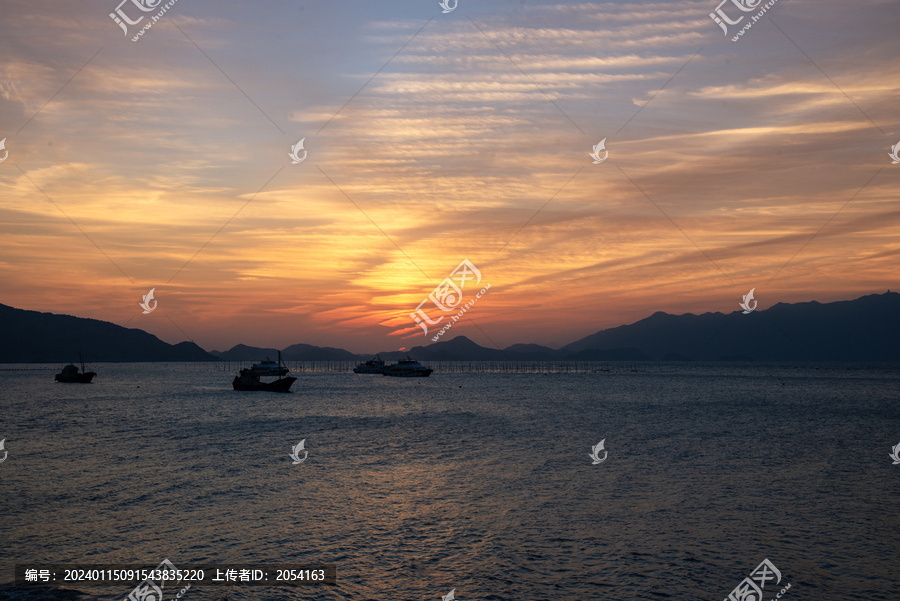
x=296, y=352
x=865, y=329
x=35, y=337
x=462, y=348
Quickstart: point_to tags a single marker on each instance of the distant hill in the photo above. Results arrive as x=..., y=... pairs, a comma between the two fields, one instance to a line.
x=615, y=354
x=242, y=352
x=532, y=352
x=34, y=337
x=457, y=349
x=307, y=352
x=462, y=348
x=865, y=329
x=296, y=352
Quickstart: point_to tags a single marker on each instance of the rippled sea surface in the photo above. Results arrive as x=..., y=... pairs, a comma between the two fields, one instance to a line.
x=479, y=482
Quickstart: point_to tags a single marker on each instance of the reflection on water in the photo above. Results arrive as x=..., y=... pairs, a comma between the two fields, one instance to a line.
x=480, y=482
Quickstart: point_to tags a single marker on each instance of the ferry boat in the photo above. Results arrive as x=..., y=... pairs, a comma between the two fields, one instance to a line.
x=249, y=378
x=407, y=368
x=375, y=365
x=70, y=374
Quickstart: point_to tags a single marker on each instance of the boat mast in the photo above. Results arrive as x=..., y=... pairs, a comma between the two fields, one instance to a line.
x=80, y=358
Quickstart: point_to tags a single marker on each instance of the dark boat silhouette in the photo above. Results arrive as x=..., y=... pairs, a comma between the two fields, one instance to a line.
x=249, y=378
x=407, y=368
x=375, y=365
x=71, y=375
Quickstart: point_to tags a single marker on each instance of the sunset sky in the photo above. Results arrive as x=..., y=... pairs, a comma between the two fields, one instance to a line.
x=434, y=138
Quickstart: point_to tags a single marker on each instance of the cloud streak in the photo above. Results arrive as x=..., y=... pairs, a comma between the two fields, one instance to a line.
x=457, y=144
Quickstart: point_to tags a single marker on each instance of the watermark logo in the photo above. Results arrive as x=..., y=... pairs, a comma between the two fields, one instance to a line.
x=750, y=588
x=595, y=452
x=123, y=20
x=895, y=455
x=601, y=146
x=721, y=19
x=295, y=452
x=746, y=304
x=895, y=153
x=6, y=453
x=6, y=152
x=445, y=4
x=448, y=297
x=148, y=298
x=150, y=589
x=295, y=152
x=449, y=596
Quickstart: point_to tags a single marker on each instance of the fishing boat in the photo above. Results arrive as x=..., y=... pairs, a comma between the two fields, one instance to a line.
x=375, y=365
x=269, y=367
x=407, y=368
x=71, y=375
x=250, y=378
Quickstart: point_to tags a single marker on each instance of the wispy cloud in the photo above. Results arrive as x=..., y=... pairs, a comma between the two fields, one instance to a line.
x=459, y=141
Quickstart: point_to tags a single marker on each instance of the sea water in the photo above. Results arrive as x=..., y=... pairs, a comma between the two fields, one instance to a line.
x=478, y=482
